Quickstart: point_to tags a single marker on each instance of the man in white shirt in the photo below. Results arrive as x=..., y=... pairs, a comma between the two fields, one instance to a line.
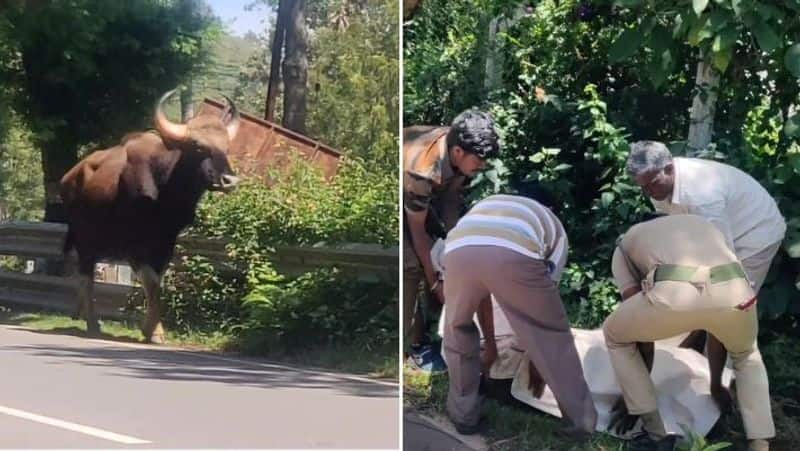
x=732, y=200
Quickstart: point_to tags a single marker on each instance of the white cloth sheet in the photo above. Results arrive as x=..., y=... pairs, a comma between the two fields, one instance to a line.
x=681, y=378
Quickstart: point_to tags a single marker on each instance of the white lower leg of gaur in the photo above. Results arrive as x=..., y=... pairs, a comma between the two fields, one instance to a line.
x=151, y=282
x=86, y=303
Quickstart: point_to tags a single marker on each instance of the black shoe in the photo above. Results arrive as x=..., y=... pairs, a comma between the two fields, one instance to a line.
x=644, y=442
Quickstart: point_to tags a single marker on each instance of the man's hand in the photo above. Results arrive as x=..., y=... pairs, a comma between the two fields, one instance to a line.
x=621, y=421
x=536, y=383
x=722, y=398
x=438, y=292
x=695, y=340
x=488, y=356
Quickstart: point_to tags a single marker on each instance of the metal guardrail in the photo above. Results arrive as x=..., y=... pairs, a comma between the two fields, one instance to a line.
x=370, y=262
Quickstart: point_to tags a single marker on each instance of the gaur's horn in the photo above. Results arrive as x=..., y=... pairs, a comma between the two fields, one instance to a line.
x=230, y=116
x=168, y=129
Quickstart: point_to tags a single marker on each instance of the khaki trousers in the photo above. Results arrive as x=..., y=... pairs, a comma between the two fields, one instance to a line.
x=531, y=302
x=413, y=275
x=643, y=318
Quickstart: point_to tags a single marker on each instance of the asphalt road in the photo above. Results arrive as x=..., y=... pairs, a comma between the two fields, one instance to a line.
x=61, y=391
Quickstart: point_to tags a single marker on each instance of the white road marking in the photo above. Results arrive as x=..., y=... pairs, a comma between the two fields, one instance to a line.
x=119, y=438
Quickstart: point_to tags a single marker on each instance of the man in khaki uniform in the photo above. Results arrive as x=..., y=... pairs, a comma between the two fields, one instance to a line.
x=732, y=200
x=437, y=161
x=677, y=274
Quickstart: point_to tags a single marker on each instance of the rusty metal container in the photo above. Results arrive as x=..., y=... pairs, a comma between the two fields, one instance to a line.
x=261, y=145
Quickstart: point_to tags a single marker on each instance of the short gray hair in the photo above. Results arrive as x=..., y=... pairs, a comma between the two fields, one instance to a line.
x=648, y=156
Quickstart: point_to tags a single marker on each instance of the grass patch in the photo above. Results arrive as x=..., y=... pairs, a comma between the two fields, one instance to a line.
x=382, y=362
x=511, y=427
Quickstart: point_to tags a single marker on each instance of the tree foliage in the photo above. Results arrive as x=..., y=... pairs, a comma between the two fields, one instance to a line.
x=353, y=78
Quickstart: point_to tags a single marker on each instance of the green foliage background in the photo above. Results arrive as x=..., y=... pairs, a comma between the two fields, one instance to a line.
x=574, y=82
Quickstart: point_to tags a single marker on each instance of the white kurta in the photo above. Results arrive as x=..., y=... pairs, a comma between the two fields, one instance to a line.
x=731, y=199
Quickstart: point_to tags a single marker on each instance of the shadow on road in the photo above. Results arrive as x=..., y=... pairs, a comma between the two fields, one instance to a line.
x=170, y=364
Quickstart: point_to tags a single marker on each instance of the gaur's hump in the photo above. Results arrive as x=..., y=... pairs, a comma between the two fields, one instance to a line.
x=143, y=144
x=150, y=135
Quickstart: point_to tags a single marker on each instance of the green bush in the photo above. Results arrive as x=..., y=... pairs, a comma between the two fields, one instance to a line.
x=318, y=307
x=268, y=311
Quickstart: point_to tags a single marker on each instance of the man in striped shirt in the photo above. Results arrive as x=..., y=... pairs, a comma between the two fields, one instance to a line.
x=511, y=247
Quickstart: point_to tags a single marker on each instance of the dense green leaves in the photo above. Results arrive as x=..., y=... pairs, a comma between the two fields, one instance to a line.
x=21, y=191
x=766, y=37
x=725, y=39
x=268, y=310
x=626, y=44
x=792, y=60
x=699, y=6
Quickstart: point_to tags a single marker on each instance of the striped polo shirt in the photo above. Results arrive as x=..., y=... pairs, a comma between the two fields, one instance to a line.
x=514, y=222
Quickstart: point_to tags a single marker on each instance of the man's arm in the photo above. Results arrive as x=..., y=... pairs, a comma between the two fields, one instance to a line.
x=627, y=283
x=422, y=247
x=452, y=202
x=486, y=323
x=717, y=355
x=714, y=212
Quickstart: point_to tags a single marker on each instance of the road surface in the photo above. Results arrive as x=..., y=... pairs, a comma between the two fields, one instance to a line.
x=65, y=391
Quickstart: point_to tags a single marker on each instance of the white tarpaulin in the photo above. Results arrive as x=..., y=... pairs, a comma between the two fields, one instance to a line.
x=681, y=378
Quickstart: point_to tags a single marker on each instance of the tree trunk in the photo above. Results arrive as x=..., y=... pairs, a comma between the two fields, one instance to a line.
x=295, y=68
x=704, y=105
x=57, y=158
x=275, y=61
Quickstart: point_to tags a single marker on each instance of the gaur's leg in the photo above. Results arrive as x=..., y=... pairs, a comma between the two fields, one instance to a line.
x=151, y=282
x=86, y=296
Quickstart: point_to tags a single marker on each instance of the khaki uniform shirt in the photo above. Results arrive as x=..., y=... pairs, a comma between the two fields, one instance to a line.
x=429, y=183
x=427, y=173
x=689, y=240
